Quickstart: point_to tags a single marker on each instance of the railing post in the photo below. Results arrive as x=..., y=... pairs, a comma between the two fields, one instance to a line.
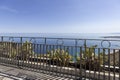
x=22, y=56
x=85, y=45
x=76, y=43
x=1, y=46
x=119, y=63
x=19, y=55
x=20, y=39
x=45, y=40
x=1, y=38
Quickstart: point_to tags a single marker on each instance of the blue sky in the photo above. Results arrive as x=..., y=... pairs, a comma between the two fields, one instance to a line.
x=59, y=16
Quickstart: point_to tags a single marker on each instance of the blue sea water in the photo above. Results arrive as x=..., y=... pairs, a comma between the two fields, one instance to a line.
x=60, y=35
x=67, y=42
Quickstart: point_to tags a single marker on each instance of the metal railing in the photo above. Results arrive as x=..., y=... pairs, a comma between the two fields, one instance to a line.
x=67, y=57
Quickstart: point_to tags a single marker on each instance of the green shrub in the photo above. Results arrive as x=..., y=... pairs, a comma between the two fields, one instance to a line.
x=60, y=57
x=26, y=50
x=90, y=60
x=12, y=50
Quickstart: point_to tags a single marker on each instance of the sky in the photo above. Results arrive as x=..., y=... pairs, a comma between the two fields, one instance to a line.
x=59, y=16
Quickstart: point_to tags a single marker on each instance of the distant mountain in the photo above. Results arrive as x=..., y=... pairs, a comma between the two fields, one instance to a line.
x=115, y=33
x=111, y=37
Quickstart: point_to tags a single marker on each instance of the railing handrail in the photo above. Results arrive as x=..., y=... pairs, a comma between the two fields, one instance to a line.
x=103, y=39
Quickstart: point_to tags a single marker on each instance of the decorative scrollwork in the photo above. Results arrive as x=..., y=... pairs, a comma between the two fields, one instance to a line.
x=11, y=39
x=78, y=43
x=33, y=40
x=103, y=41
x=60, y=42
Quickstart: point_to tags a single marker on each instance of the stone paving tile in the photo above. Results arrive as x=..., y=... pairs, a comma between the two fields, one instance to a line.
x=5, y=78
x=28, y=75
x=1, y=77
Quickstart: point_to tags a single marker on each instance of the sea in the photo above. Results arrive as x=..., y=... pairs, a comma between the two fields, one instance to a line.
x=62, y=35
x=67, y=38
x=102, y=40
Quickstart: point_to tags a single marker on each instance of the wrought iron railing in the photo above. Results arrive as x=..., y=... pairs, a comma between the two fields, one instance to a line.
x=67, y=57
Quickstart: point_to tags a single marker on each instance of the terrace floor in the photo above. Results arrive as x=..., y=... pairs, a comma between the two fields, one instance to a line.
x=14, y=73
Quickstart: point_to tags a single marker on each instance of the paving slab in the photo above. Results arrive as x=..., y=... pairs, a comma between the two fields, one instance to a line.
x=26, y=74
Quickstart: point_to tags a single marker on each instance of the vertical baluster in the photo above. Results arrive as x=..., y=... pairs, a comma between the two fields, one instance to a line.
x=109, y=63
x=81, y=52
x=40, y=57
x=37, y=50
x=18, y=54
x=49, y=61
x=104, y=62
x=89, y=61
x=34, y=55
x=68, y=61
x=60, y=64
x=30, y=56
x=99, y=63
x=46, y=60
x=94, y=62
x=57, y=63
x=64, y=48
x=72, y=54
x=119, y=62
x=76, y=43
x=85, y=58
x=53, y=59
x=43, y=57
x=1, y=55
x=114, y=63
x=28, y=61
x=10, y=52
x=15, y=59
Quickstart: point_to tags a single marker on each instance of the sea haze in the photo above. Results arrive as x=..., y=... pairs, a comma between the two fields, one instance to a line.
x=60, y=35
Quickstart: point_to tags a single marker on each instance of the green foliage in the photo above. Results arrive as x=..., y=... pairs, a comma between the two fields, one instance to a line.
x=89, y=59
x=13, y=53
x=61, y=56
x=12, y=50
x=26, y=50
x=8, y=49
x=88, y=53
